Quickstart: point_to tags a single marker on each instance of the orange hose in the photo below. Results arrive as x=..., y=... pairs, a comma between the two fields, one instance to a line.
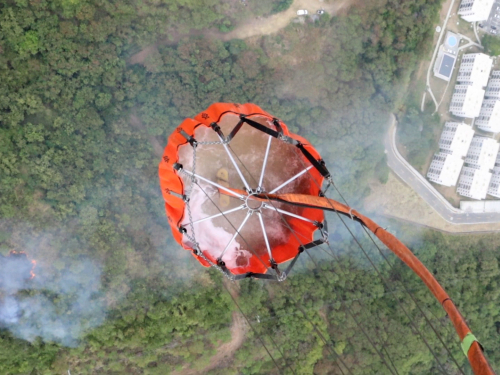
x=476, y=357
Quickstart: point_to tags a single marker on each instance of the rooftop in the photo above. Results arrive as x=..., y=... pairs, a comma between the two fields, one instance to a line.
x=461, y=137
x=474, y=183
x=475, y=10
x=494, y=187
x=445, y=169
x=470, y=106
x=482, y=153
x=477, y=73
x=489, y=117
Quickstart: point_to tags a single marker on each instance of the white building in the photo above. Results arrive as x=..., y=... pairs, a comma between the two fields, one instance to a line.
x=474, y=183
x=475, y=10
x=493, y=88
x=480, y=206
x=494, y=188
x=445, y=169
x=456, y=138
x=489, y=117
x=482, y=153
x=475, y=69
x=466, y=101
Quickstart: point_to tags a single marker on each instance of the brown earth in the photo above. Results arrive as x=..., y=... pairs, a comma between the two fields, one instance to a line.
x=225, y=352
x=276, y=22
x=157, y=147
x=239, y=329
x=141, y=56
x=396, y=199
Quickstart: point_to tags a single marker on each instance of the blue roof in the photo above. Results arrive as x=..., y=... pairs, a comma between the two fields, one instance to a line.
x=447, y=65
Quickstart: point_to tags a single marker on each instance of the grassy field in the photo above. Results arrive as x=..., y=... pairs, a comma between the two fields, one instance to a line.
x=396, y=199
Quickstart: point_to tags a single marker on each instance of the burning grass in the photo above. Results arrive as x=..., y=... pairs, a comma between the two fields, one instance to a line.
x=15, y=269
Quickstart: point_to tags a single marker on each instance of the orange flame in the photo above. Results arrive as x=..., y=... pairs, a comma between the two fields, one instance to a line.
x=32, y=272
x=33, y=262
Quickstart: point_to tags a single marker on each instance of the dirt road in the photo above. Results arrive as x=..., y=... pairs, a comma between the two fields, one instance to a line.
x=225, y=352
x=239, y=329
x=276, y=22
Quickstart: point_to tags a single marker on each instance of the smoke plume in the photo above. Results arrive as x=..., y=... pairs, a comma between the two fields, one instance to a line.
x=57, y=308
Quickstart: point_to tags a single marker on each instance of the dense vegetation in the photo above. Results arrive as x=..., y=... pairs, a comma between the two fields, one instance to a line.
x=81, y=128
x=417, y=134
x=159, y=331
x=417, y=131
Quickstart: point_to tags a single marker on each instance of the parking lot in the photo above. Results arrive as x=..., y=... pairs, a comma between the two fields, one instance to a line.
x=492, y=24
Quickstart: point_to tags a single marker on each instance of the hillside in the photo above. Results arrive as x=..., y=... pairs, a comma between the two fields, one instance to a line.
x=81, y=127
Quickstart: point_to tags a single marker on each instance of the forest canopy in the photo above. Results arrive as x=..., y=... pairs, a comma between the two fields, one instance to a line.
x=82, y=126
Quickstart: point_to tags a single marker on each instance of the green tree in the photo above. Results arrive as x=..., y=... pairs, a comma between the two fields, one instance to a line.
x=491, y=44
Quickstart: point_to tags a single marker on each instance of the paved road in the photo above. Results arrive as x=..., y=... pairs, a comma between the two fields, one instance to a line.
x=425, y=190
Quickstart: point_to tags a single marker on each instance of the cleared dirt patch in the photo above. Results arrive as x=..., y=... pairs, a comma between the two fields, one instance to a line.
x=276, y=22
x=157, y=147
x=256, y=27
x=226, y=351
x=141, y=56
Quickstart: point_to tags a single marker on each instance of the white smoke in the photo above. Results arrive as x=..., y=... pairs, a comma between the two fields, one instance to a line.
x=213, y=238
x=58, y=308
